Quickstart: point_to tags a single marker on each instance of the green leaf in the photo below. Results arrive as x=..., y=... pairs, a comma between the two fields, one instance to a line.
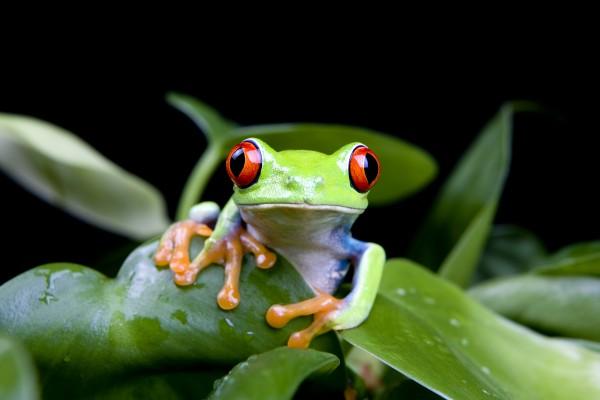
x=432, y=332
x=577, y=259
x=84, y=329
x=405, y=168
x=275, y=374
x=510, y=250
x=18, y=379
x=454, y=233
x=564, y=305
x=66, y=172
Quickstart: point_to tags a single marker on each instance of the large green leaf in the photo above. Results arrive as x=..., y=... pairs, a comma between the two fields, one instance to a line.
x=510, y=250
x=432, y=332
x=275, y=374
x=565, y=305
x=86, y=329
x=18, y=380
x=455, y=232
x=406, y=168
x=65, y=171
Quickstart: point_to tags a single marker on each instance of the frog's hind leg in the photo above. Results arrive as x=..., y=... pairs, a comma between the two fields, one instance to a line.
x=329, y=312
x=321, y=307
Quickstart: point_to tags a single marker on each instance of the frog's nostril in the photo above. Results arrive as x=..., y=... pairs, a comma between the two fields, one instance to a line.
x=292, y=181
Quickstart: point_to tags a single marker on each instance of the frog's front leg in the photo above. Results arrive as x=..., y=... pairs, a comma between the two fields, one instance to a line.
x=225, y=245
x=330, y=312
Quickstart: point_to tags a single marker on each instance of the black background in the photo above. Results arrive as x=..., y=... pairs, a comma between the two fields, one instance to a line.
x=435, y=98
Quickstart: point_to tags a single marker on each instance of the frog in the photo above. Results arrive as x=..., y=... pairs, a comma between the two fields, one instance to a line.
x=299, y=204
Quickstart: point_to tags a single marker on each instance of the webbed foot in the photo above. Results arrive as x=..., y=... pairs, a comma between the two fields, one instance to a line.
x=323, y=307
x=227, y=250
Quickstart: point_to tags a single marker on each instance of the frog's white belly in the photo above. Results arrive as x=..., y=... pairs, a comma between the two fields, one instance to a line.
x=313, y=238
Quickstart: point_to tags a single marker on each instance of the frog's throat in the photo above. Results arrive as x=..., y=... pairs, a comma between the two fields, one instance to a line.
x=305, y=206
x=313, y=238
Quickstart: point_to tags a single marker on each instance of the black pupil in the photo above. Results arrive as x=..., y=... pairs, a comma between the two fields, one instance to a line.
x=237, y=161
x=371, y=167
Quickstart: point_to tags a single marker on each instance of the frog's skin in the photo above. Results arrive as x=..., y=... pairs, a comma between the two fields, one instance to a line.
x=301, y=204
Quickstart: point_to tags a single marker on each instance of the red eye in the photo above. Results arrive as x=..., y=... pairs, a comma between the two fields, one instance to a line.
x=364, y=169
x=244, y=163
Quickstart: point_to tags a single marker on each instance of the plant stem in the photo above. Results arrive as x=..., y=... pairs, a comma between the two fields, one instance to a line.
x=192, y=191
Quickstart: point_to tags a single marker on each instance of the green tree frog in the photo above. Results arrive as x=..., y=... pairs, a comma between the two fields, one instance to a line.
x=302, y=205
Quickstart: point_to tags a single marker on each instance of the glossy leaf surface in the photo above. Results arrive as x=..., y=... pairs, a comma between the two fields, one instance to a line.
x=66, y=172
x=432, y=332
x=84, y=328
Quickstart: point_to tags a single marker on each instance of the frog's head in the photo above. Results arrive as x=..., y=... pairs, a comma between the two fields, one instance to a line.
x=264, y=176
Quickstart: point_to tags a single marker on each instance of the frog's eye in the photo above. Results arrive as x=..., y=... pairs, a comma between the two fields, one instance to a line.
x=364, y=168
x=244, y=163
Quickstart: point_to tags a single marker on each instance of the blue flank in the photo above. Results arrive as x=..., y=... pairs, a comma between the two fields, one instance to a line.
x=352, y=247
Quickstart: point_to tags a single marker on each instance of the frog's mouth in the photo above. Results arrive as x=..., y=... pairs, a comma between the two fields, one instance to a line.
x=303, y=206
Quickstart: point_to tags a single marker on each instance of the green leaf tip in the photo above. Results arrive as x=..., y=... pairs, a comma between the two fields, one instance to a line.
x=455, y=232
x=274, y=375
